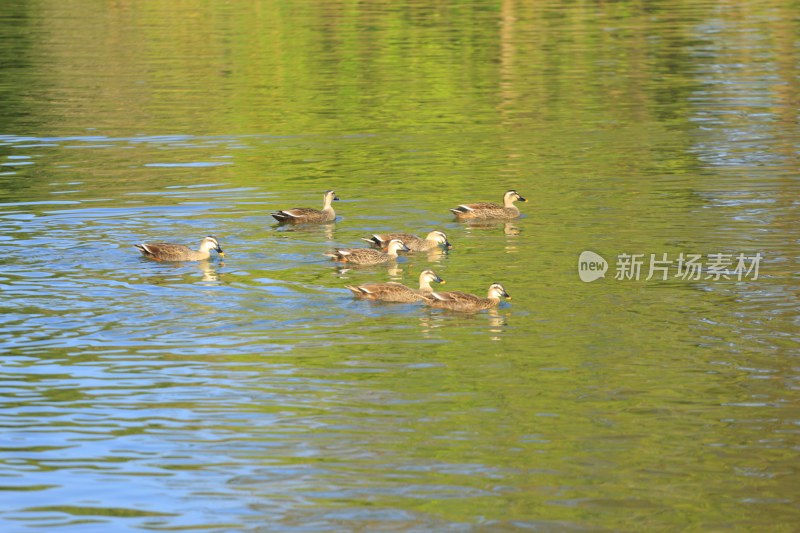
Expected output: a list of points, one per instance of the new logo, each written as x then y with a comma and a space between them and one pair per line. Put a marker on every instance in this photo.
591, 266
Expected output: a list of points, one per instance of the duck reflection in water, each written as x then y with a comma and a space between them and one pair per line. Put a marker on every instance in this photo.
435, 319
509, 228
393, 269
310, 229
210, 270
436, 255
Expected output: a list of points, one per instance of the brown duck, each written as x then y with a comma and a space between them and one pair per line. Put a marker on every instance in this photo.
307, 215
433, 240
396, 292
489, 210
368, 256
461, 301
165, 251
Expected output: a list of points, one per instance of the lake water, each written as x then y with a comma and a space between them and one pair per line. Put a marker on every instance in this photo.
255, 394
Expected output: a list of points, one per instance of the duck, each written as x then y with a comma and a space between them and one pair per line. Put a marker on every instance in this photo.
489, 210
166, 251
307, 215
433, 240
368, 256
461, 301
396, 292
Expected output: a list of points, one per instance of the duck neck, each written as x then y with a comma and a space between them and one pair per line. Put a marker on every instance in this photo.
392, 250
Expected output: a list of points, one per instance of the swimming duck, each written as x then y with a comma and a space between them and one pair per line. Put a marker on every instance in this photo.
307, 215
489, 210
396, 292
461, 301
414, 243
368, 256
165, 251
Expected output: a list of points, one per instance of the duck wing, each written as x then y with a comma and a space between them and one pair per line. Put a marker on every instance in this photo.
452, 297
164, 250
381, 240
297, 212
478, 206
389, 292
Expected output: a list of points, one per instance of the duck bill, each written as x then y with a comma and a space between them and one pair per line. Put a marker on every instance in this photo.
335, 198
521, 199
220, 252
448, 246
440, 280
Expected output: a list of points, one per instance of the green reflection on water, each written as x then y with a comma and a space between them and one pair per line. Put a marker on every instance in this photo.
631, 127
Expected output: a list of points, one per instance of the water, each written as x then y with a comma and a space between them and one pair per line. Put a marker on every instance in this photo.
255, 394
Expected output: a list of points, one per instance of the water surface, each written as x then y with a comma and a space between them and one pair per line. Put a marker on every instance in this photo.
254, 393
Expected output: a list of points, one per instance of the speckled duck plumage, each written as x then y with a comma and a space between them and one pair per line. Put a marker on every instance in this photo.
489, 210
307, 215
166, 251
461, 301
433, 240
396, 292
